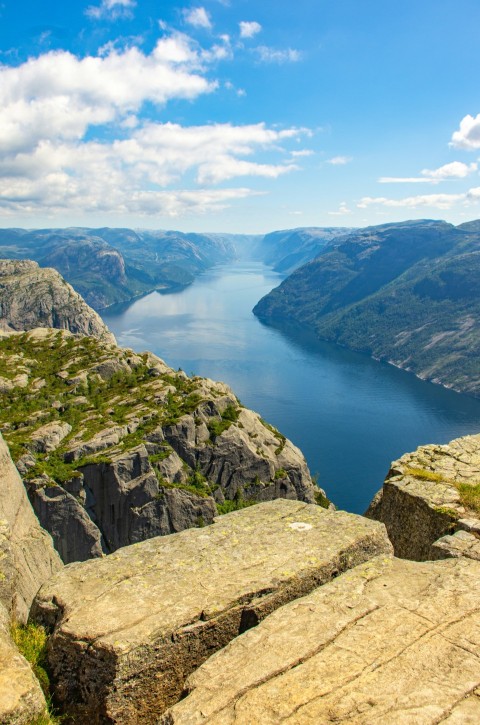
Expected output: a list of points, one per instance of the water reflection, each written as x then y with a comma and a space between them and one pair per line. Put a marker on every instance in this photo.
349, 414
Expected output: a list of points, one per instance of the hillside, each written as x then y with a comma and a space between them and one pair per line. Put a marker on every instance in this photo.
108, 266
405, 293
34, 297
116, 447
288, 249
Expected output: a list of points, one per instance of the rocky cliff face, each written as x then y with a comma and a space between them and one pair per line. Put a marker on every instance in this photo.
32, 297
430, 501
116, 447
27, 556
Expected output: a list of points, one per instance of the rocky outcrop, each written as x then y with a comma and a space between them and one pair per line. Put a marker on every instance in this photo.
388, 642
21, 697
428, 494
116, 447
129, 628
33, 297
27, 557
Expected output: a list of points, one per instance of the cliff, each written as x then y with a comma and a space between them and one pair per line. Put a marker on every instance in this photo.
405, 293
32, 297
430, 501
116, 447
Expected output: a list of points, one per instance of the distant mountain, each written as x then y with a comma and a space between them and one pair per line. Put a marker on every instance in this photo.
406, 293
290, 248
115, 265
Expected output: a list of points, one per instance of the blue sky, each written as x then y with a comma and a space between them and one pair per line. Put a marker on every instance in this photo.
239, 116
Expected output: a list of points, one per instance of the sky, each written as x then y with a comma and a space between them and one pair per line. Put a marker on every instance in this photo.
238, 116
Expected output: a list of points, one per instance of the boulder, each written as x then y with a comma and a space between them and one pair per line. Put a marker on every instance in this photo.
28, 557
129, 628
391, 641
425, 496
21, 697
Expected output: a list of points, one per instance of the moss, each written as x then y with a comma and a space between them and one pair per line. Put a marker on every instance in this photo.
281, 473
470, 495
321, 500
423, 474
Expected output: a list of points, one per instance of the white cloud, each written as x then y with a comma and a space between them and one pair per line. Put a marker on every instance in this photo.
272, 55
198, 17
48, 163
434, 201
302, 152
249, 29
453, 170
342, 210
59, 95
339, 160
111, 9
468, 135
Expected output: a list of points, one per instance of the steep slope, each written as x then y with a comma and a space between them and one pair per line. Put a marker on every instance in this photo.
115, 265
33, 297
290, 248
116, 447
405, 293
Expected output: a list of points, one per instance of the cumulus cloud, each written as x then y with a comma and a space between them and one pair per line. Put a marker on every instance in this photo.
453, 170
111, 9
198, 17
249, 29
273, 55
436, 201
468, 135
52, 106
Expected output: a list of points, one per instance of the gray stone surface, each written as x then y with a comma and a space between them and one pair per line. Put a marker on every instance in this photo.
391, 642
27, 556
460, 544
74, 534
35, 297
21, 697
420, 501
129, 628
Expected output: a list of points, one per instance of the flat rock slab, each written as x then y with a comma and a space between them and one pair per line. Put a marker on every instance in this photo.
392, 642
420, 500
21, 698
129, 628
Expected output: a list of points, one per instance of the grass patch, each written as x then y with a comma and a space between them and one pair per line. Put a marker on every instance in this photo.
469, 495
228, 506
229, 416
424, 475
469, 492
321, 500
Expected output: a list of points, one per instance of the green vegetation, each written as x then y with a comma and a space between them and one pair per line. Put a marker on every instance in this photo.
321, 500
407, 293
31, 640
469, 492
229, 416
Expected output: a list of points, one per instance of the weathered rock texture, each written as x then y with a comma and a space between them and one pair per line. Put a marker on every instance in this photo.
429, 493
129, 628
31, 296
116, 447
27, 557
21, 697
392, 642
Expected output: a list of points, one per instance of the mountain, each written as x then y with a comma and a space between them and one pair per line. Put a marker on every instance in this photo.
116, 447
33, 297
290, 248
115, 265
405, 293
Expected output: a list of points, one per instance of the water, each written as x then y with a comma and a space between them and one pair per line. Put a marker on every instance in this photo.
351, 416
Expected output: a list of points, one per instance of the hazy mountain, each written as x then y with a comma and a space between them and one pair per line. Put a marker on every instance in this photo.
288, 249
114, 265
407, 293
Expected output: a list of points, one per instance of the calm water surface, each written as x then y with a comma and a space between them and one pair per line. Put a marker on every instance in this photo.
350, 415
